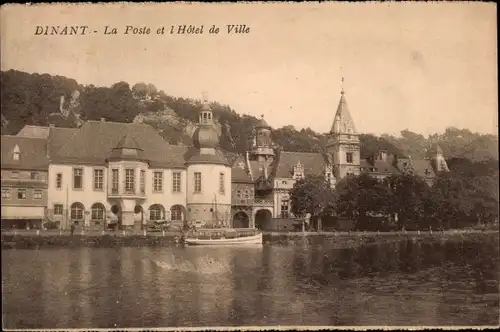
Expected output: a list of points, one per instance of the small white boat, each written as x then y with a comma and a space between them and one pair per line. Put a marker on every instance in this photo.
254, 239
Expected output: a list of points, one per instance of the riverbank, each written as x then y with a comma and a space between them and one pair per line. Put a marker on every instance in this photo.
47, 239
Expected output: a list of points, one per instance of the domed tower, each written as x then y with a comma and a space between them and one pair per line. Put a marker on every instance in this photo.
262, 149
208, 175
343, 141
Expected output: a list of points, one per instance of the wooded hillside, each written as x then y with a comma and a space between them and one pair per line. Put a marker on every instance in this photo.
40, 99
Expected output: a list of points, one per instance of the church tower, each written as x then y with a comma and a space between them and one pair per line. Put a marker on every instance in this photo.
343, 142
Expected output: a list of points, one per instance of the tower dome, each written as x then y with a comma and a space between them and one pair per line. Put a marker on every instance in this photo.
205, 136
262, 123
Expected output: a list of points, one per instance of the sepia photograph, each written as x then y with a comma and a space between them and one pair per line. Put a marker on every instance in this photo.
249, 166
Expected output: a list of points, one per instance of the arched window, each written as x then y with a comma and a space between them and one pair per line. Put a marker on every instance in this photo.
98, 211
156, 212
77, 211
176, 213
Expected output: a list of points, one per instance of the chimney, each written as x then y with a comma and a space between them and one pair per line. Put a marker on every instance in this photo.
103, 119
247, 159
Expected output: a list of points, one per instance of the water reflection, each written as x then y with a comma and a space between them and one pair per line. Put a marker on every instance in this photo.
454, 282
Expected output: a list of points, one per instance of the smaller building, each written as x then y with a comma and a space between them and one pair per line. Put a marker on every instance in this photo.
24, 181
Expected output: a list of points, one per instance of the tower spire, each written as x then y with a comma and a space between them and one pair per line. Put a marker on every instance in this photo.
342, 86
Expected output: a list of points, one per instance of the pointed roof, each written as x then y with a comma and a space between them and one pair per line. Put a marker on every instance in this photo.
128, 142
127, 148
343, 123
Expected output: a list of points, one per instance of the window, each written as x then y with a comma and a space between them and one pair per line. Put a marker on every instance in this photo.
78, 178
284, 209
34, 175
16, 155
142, 181
130, 180
58, 209
21, 194
158, 182
98, 179
197, 182
37, 194
6, 193
155, 212
59, 180
176, 182
175, 213
349, 157
77, 211
222, 184
97, 212
114, 181
238, 194
15, 175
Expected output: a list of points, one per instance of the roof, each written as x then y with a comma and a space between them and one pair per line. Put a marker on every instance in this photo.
58, 137
33, 153
127, 149
217, 158
381, 166
240, 175
94, 141
419, 167
342, 122
313, 163
34, 132
423, 168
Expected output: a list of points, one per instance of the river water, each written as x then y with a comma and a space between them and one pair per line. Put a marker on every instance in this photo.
452, 282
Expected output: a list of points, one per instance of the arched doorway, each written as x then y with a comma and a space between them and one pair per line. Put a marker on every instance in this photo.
77, 213
177, 215
97, 214
263, 219
241, 220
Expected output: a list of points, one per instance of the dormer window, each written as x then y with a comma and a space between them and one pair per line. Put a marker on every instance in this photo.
16, 155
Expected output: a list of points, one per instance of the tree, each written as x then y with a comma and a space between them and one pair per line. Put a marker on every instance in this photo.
409, 196
363, 199
312, 195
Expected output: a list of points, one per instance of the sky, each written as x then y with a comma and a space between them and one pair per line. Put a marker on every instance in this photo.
417, 66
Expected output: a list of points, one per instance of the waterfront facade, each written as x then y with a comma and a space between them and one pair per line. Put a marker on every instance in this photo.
106, 174
274, 171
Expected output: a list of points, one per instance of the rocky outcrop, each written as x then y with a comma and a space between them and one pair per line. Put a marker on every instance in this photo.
172, 127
